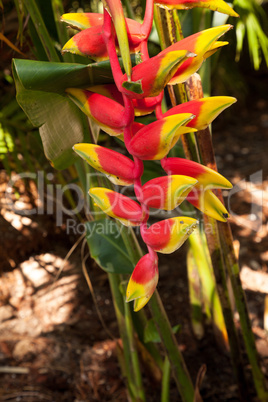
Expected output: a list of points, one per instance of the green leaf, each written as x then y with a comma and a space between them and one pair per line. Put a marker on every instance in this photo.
56, 77
152, 169
40, 93
151, 333
107, 247
133, 86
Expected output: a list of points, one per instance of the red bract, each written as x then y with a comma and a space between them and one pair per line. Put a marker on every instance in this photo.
141, 106
154, 74
208, 203
154, 141
216, 5
167, 192
168, 235
118, 168
90, 43
205, 110
118, 206
108, 114
143, 281
207, 178
203, 44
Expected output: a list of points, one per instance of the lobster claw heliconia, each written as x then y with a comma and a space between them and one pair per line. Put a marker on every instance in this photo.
83, 21
168, 235
117, 206
208, 203
143, 281
141, 106
214, 5
207, 178
154, 141
204, 109
203, 44
167, 192
201, 196
118, 168
107, 113
154, 73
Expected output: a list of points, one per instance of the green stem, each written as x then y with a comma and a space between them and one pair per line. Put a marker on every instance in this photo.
139, 318
178, 366
198, 246
118, 302
133, 352
196, 295
41, 29
58, 10
165, 381
160, 318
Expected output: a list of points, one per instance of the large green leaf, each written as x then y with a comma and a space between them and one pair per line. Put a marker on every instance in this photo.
40, 92
107, 247
56, 77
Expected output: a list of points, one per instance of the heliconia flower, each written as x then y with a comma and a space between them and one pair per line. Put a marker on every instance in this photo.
208, 203
154, 73
118, 168
204, 109
200, 44
168, 235
83, 21
115, 9
108, 114
89, 42
141, 106
143, 281
108, 90
118, 206
207, 178
145, 106
214, 5
167, 192
154, 141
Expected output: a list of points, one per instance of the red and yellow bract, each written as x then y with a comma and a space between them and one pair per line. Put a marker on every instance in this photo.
154, 141
215, 5
107, 113
204, 109
167, 192
168, 235
118, 168
117, 206
143, 281
207, 178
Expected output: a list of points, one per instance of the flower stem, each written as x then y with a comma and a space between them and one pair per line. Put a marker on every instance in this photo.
179, 369
178, 366
132, 371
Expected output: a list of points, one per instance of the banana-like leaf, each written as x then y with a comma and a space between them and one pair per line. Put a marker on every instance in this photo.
56, 77
107, 247
41, 94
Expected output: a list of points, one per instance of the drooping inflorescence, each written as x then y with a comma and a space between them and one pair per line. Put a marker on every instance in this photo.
136, 93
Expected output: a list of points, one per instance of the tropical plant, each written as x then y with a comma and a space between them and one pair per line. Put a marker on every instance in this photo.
59, 96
